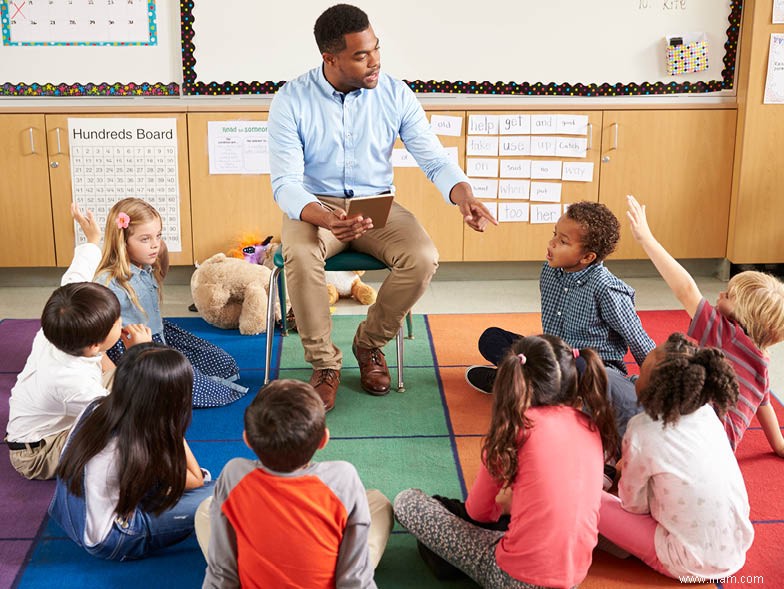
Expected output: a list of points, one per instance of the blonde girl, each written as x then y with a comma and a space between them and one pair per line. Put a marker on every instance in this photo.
133, 265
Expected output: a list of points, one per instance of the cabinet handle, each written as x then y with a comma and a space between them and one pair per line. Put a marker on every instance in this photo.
59, 144
615, 137
590, 136
32, 142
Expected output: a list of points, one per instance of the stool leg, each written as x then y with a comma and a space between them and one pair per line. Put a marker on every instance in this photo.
270, 323
410, 326
399, 344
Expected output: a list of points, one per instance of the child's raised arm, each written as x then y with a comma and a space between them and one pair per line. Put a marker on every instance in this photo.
677, 278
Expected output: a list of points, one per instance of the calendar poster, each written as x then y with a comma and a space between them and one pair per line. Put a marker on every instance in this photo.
114, 158
78, 22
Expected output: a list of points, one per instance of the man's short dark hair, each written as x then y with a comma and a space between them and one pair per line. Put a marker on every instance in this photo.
600, 227
285, 424
334, 23
79, 315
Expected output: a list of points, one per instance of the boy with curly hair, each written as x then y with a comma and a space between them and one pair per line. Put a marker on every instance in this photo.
583, 303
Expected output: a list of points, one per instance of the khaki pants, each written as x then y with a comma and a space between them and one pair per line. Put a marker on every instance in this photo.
381, 521
402, 244
41, 462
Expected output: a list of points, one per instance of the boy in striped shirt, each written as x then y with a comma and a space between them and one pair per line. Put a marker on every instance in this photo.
748, 319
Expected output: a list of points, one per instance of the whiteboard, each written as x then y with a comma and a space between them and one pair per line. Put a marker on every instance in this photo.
100, 70
242, 47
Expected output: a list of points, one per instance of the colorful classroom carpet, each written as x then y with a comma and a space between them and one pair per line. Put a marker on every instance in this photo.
427, 437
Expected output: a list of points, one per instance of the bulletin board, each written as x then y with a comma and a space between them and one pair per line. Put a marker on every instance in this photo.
141, 59
527, 47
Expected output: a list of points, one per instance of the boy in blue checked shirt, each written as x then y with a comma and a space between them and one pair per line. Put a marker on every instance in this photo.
583, 303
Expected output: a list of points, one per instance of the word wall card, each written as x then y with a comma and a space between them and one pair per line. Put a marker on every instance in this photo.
495, 145
78, 22
112, 159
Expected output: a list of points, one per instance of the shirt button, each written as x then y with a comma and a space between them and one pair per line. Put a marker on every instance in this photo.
558, 313
566, 289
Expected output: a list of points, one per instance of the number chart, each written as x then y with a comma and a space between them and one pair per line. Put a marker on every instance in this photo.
112, 159
78, 22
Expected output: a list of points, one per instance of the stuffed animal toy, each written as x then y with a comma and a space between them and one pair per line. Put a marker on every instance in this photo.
230, 293
252, 249
347, 283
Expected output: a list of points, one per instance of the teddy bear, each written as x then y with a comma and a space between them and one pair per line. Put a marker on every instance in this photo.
348, 283
231, 293
340, 283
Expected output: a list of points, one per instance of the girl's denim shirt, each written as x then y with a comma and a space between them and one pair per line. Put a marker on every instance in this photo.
146, 287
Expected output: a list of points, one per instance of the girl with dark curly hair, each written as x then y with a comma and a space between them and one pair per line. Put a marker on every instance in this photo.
542, 461
682, 506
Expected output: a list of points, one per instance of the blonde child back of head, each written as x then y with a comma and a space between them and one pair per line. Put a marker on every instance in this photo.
758, 305
124, 216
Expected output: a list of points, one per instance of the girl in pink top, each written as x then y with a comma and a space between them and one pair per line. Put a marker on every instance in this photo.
542, 461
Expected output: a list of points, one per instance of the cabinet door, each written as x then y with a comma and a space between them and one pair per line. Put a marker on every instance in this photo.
26, 232
525, 241
226, 206
441, 220
62, 195
679, 164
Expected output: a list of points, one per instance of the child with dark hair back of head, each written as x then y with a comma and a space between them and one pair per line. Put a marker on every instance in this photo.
67, 366
747, 319
542, 462
583, 303
271, 515
682, 506
127, 483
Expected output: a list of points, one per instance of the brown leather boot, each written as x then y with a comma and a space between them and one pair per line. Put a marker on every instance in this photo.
374, 374
326, 381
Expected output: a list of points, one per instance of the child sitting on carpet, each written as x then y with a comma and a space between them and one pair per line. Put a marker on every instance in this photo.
583, 303
682, 506
127, 483
748, 319
282, 520
133, 266
547, 453
66, 368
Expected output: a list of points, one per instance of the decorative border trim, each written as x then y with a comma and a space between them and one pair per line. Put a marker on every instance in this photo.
91, 89
192, 87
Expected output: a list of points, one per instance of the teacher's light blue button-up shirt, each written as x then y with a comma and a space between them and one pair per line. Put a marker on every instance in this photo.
327, 143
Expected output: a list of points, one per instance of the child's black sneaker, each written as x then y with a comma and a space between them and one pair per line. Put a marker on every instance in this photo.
481, 378
610, 472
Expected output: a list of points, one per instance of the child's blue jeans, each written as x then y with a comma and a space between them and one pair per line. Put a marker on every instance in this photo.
131, 538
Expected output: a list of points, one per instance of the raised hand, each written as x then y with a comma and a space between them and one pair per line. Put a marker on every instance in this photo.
638, 222
88, 224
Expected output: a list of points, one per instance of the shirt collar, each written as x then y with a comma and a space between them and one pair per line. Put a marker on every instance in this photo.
329, 89
135, 270
67, 358
581, 276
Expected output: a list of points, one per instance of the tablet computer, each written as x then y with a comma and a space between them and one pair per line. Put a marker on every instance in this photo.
375, 207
